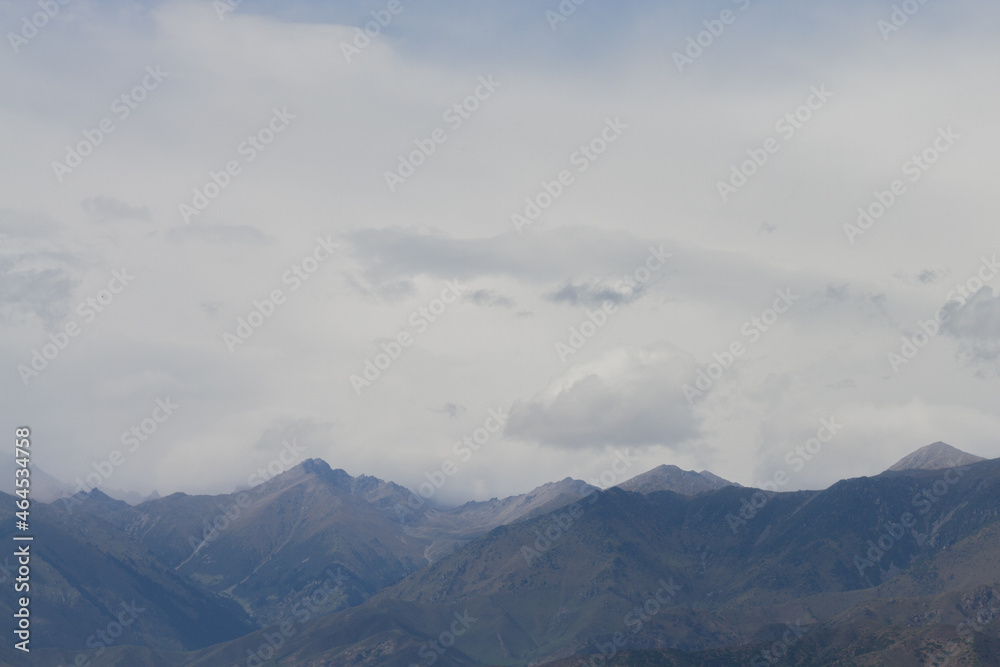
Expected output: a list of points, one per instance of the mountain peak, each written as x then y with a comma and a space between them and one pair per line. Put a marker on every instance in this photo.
668, 477
936, 456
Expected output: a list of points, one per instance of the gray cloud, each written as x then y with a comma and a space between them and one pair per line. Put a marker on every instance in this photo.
976, 326
24, 224
627, 397
453, 410
489, 298
109, 209
214, 233
590, 294
45, 292
578, 252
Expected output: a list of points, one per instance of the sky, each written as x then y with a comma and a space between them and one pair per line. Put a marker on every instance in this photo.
511, 241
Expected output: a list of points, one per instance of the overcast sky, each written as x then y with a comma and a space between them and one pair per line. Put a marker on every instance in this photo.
313, 121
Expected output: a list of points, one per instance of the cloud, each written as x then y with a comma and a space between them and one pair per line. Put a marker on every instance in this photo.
976, 326
626, 397
489, 298
215, 233
109, 209
389, 254
285, 428
453, 410
590, 294
26, 224
45, 292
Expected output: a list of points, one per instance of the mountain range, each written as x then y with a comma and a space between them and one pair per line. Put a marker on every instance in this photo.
316, 567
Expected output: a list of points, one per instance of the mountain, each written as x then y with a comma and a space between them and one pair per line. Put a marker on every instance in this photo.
872, 570
672, 478
86, 573
937, 456
863, 564
44, 487
268, 546
449, 529
130, 497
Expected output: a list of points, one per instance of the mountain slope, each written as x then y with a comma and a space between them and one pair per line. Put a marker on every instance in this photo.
562, 583
85, 572
672, 478
936, 456
449, 529
268, 546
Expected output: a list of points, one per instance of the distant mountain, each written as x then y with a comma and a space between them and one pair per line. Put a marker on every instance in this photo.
872, 570
267, 546
672, 478
565, 583
44, 487
86, 574
449, 529
937, 456
130, 497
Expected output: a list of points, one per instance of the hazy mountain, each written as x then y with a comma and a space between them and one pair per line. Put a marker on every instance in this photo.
873, 570
937, 456
130, 497
672, 478
44, 487
566, 582
448, 529
267, 546
85, 573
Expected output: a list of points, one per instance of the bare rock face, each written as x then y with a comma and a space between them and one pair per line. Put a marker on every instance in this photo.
672, 478
937, 456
